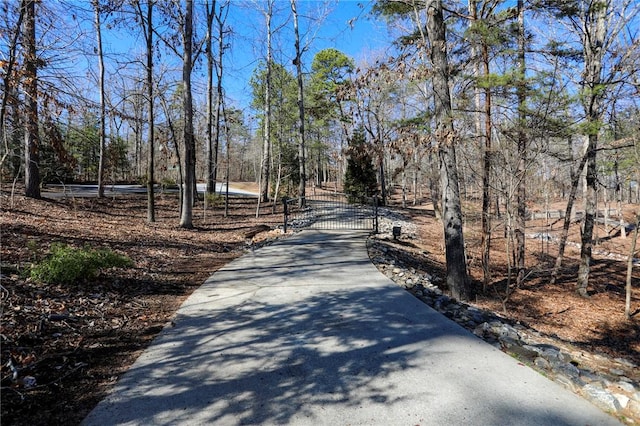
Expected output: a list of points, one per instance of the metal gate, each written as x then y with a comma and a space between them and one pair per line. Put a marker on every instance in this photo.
331, 211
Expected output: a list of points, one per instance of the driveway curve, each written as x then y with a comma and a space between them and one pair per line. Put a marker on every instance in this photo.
306, 331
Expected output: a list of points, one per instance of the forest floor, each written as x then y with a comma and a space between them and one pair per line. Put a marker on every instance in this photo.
596, 324
68, 344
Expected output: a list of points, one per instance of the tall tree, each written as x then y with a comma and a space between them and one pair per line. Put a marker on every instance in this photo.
301, 146
521, 192
148, 32
186, 217
97, 10
610, 57
266, 142
446, 138
9, 80
31, 138
594, 33
488, 36
212, 152
145, 18
284, 121
482, 31
214, 118
599, 24
330, 71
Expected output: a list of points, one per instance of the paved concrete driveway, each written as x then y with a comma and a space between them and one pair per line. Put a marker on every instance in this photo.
307, 332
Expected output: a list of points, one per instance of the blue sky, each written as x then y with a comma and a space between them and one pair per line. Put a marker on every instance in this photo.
345, 25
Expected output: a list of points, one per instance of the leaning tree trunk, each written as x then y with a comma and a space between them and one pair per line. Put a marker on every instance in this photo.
575, 180
457, 278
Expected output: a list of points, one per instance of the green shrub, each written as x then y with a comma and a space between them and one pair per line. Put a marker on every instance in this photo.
66, 265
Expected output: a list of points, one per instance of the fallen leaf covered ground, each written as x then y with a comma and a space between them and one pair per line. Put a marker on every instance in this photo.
63, 346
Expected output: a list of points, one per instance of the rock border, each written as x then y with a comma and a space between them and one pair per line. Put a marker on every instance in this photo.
613, 391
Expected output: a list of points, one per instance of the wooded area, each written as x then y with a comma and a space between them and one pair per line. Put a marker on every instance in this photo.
509, 105
516, 122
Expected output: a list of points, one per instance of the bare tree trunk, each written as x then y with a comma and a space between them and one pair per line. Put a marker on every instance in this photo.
7, 88
627, 305
434, 189
227, 134
174, 137
151, 204
146, 22
404, 185
214, 146
589, 218
102, 130
480, 53
211, 163
457, 278
137, 129
266, 145
618, 193
301, 147
31, 137
415, 177
186, 218
486, 176
575, 181
593, 44
521, 192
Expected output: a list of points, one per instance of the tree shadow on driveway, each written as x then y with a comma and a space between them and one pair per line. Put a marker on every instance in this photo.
313, 334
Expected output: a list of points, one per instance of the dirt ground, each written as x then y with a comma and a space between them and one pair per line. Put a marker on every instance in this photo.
63, 346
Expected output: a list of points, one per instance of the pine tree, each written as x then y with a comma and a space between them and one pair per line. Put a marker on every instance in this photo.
360, 176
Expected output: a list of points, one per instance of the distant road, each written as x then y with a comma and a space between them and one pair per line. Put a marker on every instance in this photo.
79, 190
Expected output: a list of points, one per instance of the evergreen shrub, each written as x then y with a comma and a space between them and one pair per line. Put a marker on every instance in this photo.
67, 265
